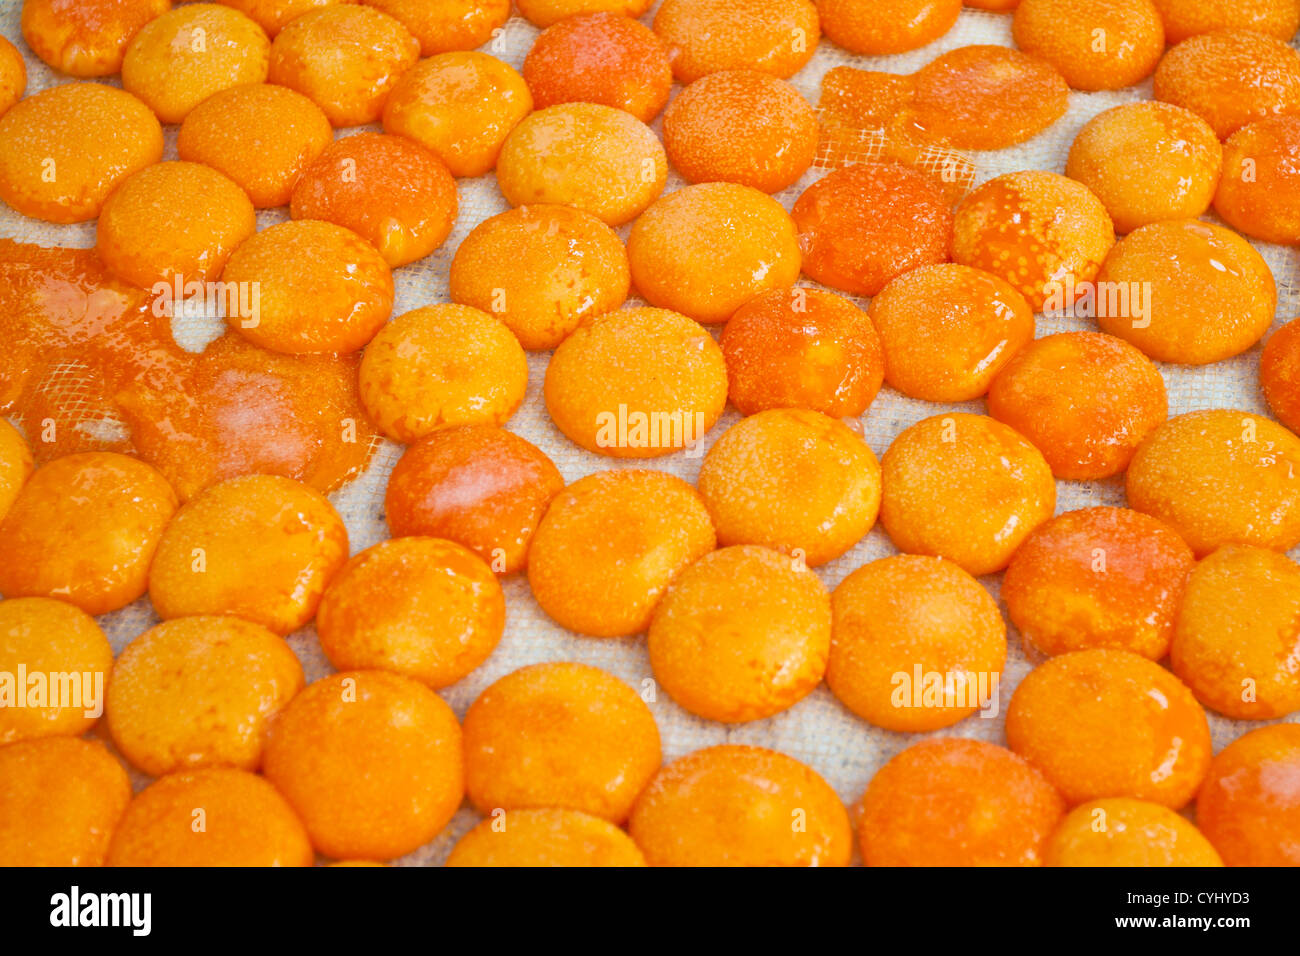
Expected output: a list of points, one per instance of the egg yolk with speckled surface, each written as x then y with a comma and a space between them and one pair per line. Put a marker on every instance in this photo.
966, 488
1086, 399
983, 97
173, 219
731, 805
439, 366
741, 126
245, 822
273, 15
87, 38
1124, 832
1042, 233
708, 249
1147, 162
391, 191
802, 348
13, 75
864, 225
320, 288
44, 636
443, 26
906, 614
1249, 805
477, 485
186, 55
259, 547
609, 546
600, 58
886, 26
15, 465
460, 106
261, 136
598, 158
708, 36
948, 801
741, 635
84, 529
1221, 477
1230, 78
1206, 293
543, 13
947, 330
199, 692
1185, 18
64, 149
1096, 44
371, 762
794, 480
536, 838
1279, 375
1259, 194
559, 735
424, 607
636, 383
1108, 723
60, 799
542, 270
345, 58
1098, 578
1239, 633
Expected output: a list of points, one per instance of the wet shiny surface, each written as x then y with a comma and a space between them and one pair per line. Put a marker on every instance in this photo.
345, 58
802, 348
259, 547
1086, 400
542, 270
600, 58
87, 38
1238, 638
84, 529
1209, 294
478, 485
964, 487
186, 55
1231, 78
597, 158
1098, 578
1221, 477
1259, 194
1040, 232
62, 150
1065, 33
731, 805
948, 330
706, 250
460, 106
1250, 804
1147, 162
1106, 723
441, 366
743, 633
261, 136
707, 36
741, 127
947, 801
390, 191
864, 225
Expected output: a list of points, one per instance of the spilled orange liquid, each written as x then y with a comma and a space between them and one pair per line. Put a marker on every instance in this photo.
87, 365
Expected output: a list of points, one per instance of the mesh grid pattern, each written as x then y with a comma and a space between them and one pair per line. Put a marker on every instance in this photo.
818, 730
